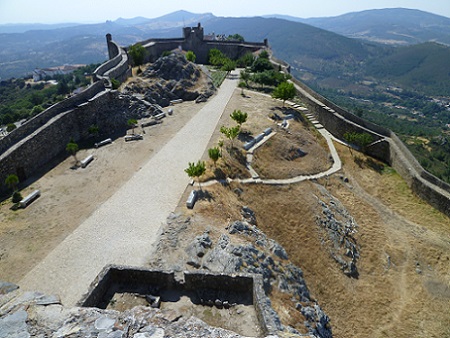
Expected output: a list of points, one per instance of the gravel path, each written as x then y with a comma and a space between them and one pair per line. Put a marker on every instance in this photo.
125, 228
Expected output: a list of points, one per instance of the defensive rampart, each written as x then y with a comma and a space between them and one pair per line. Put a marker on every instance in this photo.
36, 142
194, 40
387, 147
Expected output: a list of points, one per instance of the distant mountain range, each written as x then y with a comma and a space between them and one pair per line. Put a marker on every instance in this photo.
317, 55
396, 26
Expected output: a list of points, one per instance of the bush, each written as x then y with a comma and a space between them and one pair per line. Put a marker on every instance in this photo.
16, 197
115, 83
10, 127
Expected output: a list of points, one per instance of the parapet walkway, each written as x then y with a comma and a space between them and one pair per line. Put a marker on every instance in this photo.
124, 229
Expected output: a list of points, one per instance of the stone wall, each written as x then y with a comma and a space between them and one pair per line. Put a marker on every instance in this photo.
41, 119
27, 149
387, 148
193, 39
131, 279
118, 66
31, 154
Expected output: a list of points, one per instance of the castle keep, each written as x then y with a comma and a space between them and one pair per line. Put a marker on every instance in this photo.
195, 40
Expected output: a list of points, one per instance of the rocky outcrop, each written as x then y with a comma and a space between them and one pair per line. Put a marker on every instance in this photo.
172, 78
338, 229
36, 315
246, 249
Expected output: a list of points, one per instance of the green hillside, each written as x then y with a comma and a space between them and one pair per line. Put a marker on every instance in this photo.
424, 67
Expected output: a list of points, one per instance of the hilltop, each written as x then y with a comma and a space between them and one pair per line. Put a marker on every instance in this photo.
402, 243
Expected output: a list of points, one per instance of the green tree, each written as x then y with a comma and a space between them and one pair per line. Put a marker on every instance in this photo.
361, 140
220, 144
132, 123
236, 37
137, 53
245, 76
196, 170
115, 83
72, 149
93, 130
10, 127
284, 91
190, 56
215, 57
242, 86
36, 110
214, 154
264, 54
228, 65
230, 133
246, 60
11, 181
239, 117
261, 64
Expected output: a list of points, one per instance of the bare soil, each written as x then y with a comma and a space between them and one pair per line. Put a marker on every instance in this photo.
403, 289
69, 196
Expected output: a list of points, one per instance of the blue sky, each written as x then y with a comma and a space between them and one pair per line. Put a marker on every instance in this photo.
88, 11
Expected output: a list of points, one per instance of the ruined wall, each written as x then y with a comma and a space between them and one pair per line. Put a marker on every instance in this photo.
138, 280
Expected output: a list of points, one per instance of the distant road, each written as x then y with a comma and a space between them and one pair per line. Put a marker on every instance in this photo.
124, 229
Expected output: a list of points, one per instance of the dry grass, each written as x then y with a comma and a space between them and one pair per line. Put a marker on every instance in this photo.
295, 152
403, 286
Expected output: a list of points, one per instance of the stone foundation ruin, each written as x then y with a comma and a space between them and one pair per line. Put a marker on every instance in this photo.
235, 298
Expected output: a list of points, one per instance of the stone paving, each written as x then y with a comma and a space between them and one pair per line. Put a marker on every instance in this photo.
124, 229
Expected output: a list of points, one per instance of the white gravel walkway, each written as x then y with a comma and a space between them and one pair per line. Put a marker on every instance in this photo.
124, 229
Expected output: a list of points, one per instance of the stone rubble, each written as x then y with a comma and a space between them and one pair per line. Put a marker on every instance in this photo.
21, 316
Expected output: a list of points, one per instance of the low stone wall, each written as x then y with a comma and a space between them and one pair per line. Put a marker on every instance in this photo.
114, 276
130, 279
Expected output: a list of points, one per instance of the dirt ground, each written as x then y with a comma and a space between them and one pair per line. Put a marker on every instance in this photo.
403, 289
69, 196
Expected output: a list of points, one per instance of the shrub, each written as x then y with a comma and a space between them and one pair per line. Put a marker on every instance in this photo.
115, 83
16, 197
10, 127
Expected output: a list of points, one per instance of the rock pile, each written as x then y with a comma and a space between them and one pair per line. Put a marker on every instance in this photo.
172, 78
339, 227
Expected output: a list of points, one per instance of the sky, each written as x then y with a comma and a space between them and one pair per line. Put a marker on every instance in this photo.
94, 11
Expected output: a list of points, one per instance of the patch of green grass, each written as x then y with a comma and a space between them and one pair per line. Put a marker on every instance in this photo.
218, 76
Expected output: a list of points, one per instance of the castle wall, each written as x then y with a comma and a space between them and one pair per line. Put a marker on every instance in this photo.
193, 39
390, 149
27, 149
117, 67
41, 119
32, 153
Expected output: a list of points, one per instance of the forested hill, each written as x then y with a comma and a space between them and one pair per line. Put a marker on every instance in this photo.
395, 26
